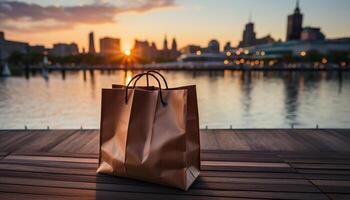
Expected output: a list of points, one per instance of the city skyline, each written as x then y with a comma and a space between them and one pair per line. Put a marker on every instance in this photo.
151, 20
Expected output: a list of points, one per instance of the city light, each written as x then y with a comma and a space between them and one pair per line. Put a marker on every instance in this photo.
303, 53
324, 61
127, 52
263, 53
226, 62
246, 51
198, 53
228, 53
238, 53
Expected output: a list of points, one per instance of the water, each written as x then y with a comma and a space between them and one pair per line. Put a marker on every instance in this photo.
226, 98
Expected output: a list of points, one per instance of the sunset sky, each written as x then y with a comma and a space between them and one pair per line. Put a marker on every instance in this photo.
190, 21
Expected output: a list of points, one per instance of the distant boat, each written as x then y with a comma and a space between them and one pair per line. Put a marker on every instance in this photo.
6, 70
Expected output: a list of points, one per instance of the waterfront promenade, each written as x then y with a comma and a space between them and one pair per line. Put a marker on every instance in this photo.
236, 164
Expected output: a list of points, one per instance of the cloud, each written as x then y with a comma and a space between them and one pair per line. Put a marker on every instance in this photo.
28, 17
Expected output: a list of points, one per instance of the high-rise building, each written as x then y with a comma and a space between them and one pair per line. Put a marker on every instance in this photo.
165, 43
250, 39
249, 36
174, 45
109, 46
142, 49
174, 53
295, 24
91, 43
8, 47
62, 49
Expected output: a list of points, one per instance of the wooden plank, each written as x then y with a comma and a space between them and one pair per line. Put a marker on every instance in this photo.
244, 164
333, 186
58, 154
339, 196
16, 196
252, 174
76, 142
102, 194
52, 158
235, 156
57, 164
295, 140
284, 164
211, 183
320, 166
12, 140
323, 171
164, 190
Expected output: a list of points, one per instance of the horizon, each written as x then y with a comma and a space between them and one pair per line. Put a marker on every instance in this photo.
152, 20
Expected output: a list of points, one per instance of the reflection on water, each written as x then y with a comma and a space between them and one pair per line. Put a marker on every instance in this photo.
226, 98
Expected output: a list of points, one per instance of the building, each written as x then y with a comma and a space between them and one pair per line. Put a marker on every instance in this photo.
227, 46
264, 40
37, 49
295, 24
312, 33
91, 43
190, 49
174, 53
249, 36
62, 49
174, 45
296, 47
169, 53
110, 46
8, 47
149, 52
143, 50
165, 44
213, 47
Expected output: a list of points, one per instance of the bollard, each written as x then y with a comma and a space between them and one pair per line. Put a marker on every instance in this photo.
230, 126
316, 126
81, 127
25, 127
292, 126
206, 127
48, 127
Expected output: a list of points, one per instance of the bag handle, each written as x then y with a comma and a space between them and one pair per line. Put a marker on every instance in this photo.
136, 78
155, 72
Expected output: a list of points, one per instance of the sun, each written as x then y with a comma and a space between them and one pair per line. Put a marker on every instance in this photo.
127, 52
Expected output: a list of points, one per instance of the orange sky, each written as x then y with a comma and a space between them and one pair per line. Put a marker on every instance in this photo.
189, 21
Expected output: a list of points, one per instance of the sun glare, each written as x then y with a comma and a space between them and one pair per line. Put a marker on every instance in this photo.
127, 52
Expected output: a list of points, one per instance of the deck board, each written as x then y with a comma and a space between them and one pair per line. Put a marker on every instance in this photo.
236, 164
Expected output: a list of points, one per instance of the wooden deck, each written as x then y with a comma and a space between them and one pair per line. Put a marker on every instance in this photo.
236, 164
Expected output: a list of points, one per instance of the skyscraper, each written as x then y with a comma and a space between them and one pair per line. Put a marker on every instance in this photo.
249, 35
91, 43
174, 45
165, 44
109, 46
295, 24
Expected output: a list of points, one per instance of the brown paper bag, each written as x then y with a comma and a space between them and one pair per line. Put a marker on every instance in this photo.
150, 134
